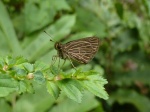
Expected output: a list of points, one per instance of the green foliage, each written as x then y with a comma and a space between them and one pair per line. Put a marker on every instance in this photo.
53, 89
17, 78
130, 96
123, 58
7, 85
67, 105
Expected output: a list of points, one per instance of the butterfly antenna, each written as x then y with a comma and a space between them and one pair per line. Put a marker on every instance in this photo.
50, 36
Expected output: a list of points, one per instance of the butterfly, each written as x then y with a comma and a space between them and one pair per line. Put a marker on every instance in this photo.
81, 50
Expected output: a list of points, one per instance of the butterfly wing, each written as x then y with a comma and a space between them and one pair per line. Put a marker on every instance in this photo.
82, 50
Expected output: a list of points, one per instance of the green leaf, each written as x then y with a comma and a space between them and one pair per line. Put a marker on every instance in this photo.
95, 84
21, 73
88, 104
40, 101
41, 9
38, 65
55, 71
63, 25
3, 45
29, 87
53, 89
10, 34
97, 78
60, 5
22, 87
119, 9
4, 106
79, 74
38, 77
29, 67
25, 86
99, 69
92, 23
7, 85
132, 19
78, 35
10, 61
71, 88
20, 59
125, 40
91, 72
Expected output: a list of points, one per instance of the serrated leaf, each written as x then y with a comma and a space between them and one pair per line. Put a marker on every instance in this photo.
10, 61
29, 67
22, 87
53, 89
20, 60
38, 77
96, 86
21, 73
71, 88
97, 78
55, 71
7, 85
40, 66
25, 86
29, 87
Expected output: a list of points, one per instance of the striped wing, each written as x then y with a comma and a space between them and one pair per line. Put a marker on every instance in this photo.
82, 50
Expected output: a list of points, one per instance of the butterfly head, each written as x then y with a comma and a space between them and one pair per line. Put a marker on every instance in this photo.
58, 45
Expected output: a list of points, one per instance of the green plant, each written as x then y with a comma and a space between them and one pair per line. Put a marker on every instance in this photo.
17, 75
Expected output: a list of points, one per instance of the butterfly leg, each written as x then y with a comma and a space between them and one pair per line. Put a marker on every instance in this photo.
72, 63
54, 58
63, 63
59, 62
59, 67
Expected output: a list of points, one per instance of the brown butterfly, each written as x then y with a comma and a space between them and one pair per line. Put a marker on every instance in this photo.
81, 50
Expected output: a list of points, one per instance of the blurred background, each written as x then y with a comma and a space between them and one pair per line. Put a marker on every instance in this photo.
123, 27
